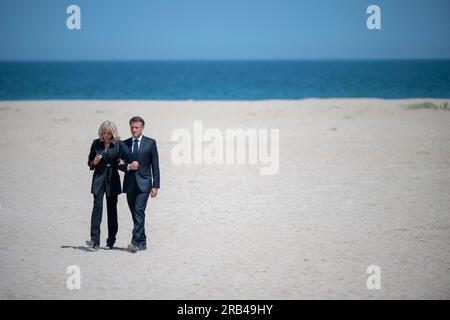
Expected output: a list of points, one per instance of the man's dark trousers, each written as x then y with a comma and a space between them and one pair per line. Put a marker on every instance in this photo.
137, 202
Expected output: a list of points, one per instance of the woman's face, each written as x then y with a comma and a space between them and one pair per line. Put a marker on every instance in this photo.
107, 135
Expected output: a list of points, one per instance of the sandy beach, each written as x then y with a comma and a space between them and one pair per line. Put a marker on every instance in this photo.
361, 182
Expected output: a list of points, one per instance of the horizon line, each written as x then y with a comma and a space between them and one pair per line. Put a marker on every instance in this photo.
224, 60
426, 99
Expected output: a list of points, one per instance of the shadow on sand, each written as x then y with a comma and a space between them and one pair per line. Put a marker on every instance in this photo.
89, 249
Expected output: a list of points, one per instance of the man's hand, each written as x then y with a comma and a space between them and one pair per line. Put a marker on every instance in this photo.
154, 192
97, 159
133, 166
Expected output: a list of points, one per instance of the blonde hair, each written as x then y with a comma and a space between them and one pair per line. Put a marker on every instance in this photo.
111, 127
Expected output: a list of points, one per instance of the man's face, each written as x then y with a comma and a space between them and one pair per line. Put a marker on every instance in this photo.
136, 129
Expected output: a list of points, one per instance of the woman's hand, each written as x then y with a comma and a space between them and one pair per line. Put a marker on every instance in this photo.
133, 166
97, 159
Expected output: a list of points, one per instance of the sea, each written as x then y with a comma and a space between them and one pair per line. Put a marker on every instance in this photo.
224, 80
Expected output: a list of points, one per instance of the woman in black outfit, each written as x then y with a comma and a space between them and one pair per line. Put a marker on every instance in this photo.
104, 157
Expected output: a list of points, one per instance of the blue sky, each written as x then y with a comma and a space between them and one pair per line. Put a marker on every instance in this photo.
224, 29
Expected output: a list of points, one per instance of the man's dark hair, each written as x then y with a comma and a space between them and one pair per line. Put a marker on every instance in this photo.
137, 119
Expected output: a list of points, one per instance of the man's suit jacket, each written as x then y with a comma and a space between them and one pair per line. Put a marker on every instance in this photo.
105, 172
148, 166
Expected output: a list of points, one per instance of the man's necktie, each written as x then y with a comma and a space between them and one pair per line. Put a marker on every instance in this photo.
135, 149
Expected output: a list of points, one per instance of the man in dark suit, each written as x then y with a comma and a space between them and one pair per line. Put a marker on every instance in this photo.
141, 169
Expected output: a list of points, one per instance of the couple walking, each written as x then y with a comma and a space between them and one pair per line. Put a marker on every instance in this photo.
138, 158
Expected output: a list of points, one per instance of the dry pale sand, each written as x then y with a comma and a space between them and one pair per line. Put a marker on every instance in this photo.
361, 182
